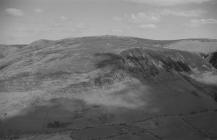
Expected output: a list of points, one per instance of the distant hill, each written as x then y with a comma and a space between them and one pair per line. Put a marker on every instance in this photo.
109, 87
196, 45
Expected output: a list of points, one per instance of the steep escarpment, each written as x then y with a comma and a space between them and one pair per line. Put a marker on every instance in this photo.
213, 59
151, 62
160, 65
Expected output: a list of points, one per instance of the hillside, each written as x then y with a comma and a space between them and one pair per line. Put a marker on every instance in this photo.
108, 87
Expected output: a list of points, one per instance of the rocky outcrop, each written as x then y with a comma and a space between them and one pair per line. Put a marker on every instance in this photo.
213, 59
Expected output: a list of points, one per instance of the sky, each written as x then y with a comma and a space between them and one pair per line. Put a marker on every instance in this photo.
25, 21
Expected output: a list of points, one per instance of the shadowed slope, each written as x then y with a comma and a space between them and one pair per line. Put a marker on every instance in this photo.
213, 59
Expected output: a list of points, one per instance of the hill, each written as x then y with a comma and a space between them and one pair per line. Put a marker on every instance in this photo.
195, 45
107, 87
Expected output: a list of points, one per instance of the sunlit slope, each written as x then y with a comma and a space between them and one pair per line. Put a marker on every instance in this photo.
107, 88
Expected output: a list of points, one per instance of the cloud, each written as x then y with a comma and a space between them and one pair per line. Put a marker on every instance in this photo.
116, 18
182, 13
142, 20
148, 19
117, 31
14, 12
199, 22
207, 77
168, 2
129, 94
144, 17
145, 26
38, 10
156, 15
64, 18
81, 25
122, 94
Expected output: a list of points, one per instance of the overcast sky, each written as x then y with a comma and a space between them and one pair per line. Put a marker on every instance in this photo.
24, 21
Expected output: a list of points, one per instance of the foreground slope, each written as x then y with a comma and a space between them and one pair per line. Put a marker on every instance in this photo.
106, 88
